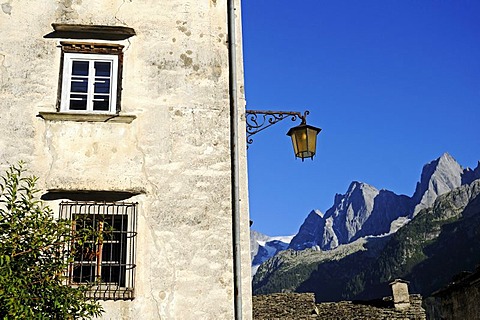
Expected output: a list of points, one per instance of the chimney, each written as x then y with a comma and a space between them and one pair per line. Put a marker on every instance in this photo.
401, 297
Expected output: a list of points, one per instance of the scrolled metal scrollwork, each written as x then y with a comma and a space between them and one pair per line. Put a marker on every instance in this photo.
259, 120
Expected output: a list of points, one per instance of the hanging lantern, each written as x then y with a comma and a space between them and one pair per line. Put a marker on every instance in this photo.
304, 139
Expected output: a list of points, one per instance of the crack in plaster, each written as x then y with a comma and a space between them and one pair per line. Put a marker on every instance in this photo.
144, 168
118, 10
3, 70
128, 46
122, 21
157, 304
163, 308
48, 138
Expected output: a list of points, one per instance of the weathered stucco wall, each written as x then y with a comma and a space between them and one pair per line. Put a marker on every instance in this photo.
176, 153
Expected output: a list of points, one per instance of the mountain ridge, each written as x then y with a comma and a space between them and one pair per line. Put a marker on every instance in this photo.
365, 211
439, 242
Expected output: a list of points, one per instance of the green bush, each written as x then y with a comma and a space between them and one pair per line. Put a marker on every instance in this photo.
34, 256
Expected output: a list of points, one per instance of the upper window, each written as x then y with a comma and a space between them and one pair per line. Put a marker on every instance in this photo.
91, 72
91, 76
89, 83
105, 261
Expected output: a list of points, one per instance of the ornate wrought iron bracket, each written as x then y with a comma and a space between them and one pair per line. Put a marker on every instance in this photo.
259, 120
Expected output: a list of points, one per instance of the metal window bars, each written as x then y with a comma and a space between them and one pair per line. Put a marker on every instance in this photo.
106, 260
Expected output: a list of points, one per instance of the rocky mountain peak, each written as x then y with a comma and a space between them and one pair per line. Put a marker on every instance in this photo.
349, 213
318, 212
355, 190
359, 197
438, 177
310, 233
439, 242
357, 186
470, 175
365, 211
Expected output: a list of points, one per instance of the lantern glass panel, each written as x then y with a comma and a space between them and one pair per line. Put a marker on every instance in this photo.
304, 140
312, 140
294, 142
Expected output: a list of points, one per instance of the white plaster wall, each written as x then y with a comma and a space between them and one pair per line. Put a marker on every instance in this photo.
175, 153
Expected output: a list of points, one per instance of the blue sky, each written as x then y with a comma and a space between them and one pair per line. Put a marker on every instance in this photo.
393, 84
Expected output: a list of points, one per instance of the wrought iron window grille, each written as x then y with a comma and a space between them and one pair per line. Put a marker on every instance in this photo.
104, 261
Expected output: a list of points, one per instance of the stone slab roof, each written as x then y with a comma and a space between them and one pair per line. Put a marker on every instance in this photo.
290, 306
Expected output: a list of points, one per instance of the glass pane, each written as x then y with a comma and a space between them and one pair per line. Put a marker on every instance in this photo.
102, 69
80, 68
83, 273
102, 85
101, 103
120, 223
312, 140
294, 143
87, 252
301, 136
78, 102
113, 274
111, 252
79, 84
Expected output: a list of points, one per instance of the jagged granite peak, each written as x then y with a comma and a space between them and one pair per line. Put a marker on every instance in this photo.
310, 233
341, 222
470, 175
329, 237
387, 209
439, 242
366, 211
430, 247
438, 177
351, 211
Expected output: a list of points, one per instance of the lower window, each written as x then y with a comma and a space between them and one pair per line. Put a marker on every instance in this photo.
106, 261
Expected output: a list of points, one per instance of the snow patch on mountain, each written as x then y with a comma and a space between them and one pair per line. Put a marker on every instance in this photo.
263, 247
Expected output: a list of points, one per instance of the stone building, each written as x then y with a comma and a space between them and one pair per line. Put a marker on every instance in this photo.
302, 306
460, 299
297, 306
125, 110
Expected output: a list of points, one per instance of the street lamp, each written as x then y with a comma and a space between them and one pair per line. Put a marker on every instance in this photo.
304, 136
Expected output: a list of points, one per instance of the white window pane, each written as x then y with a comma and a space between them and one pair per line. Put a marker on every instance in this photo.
90, 83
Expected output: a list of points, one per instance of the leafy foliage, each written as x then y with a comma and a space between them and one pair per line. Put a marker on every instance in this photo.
34, 256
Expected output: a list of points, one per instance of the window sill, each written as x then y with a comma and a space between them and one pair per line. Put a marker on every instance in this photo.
86, 117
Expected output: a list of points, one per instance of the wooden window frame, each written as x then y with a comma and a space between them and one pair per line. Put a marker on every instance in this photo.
91, 52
